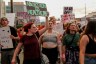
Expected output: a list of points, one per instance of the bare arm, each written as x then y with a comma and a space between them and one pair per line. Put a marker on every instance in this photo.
40, 39
59, 44
63, 45
15, 38
63, 52
45, 28
60, 48
16, 52
63, 49
83, 42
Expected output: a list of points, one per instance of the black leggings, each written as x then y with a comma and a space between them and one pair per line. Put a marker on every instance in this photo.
51, 53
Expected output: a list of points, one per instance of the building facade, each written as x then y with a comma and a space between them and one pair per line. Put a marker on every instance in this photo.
2, 8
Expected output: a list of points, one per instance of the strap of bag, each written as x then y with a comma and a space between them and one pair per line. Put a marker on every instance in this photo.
38, 40
42, 60
39, 44
71, 40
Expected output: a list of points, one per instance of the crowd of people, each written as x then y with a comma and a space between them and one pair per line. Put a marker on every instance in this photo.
75, 46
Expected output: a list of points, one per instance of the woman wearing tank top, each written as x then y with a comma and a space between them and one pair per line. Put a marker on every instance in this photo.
51, 44
88, 44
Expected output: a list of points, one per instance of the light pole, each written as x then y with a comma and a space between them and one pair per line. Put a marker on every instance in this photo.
0, 8
85, 14
11, 5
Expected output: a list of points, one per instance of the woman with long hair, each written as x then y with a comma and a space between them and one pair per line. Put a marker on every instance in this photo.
70, 44
88, 44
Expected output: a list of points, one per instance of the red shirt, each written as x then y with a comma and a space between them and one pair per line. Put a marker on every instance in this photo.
31, 46
19, 34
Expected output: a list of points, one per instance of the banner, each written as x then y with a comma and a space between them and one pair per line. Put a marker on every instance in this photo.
67, 10
67, 17
36, 9
5, 39
23, 15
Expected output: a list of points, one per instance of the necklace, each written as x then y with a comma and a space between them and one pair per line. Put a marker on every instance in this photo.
29, 34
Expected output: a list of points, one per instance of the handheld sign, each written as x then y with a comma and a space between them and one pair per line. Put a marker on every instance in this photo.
5, 39
36, 9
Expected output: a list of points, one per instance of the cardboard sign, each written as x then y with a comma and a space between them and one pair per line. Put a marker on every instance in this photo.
67, 17
5, 39
59, 28
36, 9
67, 10
11, 18
24, 15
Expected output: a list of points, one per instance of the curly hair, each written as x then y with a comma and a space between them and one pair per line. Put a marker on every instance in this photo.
68, 30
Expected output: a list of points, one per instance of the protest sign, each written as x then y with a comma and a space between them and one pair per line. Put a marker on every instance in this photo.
11, 18
23, 15
36, 9
67, 10
5, 39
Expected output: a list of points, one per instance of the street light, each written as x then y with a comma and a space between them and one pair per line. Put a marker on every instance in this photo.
11, 5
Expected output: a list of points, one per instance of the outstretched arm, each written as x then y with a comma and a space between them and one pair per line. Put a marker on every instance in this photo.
46, 26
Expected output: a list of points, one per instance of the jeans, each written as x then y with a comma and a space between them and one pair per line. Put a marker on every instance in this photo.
6, 56
90, 60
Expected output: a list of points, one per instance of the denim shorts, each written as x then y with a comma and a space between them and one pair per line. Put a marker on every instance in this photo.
90, 60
